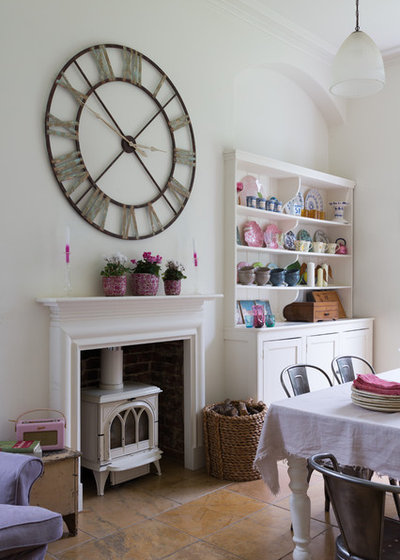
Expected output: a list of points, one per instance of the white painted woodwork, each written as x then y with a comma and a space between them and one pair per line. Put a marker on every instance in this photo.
300, 507
254, 358
277, 354
84, 323
283, 180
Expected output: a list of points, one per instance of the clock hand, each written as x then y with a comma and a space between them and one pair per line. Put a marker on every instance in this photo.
151, 148
138, 147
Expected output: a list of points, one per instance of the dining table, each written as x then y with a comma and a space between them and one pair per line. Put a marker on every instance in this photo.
325, 421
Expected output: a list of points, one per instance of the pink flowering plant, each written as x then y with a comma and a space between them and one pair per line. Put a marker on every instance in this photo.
116, 265
174, 271
149, 264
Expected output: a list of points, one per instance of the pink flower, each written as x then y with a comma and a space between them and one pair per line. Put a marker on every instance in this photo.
149, 264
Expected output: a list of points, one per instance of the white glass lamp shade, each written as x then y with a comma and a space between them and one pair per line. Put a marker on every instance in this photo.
358, 69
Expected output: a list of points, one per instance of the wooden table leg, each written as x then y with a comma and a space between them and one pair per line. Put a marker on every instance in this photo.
300, 507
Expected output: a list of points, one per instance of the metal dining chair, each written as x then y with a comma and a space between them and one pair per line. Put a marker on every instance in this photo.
343, 367
343, 370
297, 376
359, 506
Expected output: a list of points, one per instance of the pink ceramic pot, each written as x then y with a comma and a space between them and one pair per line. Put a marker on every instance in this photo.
114, 285
144, 284
172, 287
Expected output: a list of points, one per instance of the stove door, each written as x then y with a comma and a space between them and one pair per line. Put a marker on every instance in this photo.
130, 429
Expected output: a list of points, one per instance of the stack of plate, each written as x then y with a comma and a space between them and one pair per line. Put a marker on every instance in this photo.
374, 401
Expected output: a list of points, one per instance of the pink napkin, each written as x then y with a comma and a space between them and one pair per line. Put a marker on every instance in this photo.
374, 384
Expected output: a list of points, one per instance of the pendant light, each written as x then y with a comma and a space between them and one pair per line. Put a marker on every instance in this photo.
358, 69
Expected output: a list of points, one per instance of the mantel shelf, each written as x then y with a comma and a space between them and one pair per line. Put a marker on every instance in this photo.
99, 299
72, 308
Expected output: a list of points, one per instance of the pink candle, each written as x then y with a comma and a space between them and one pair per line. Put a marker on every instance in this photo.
194, 255
67, 246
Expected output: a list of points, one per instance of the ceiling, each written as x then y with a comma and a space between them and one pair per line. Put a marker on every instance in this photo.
329, 22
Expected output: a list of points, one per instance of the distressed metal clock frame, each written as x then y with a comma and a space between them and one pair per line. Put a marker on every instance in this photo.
186, 157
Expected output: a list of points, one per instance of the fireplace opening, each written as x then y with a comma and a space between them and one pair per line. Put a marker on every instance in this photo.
159, 364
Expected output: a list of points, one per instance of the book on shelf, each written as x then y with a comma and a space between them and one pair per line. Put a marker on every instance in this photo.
24, 446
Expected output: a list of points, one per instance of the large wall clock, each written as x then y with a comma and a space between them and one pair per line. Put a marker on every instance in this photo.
120, 141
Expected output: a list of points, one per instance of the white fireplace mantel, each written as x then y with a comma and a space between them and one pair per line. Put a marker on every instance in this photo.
83, 323
70, 308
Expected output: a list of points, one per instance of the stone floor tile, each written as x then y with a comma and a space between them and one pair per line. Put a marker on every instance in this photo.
211, 512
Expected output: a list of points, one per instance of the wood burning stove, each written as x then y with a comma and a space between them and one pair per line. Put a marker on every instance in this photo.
119, 425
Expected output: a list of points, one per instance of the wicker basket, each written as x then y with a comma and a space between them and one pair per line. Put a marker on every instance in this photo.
231, 442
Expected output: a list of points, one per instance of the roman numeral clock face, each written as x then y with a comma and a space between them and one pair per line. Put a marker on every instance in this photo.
120, 141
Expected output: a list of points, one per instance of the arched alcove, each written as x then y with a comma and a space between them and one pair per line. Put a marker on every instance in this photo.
281, 111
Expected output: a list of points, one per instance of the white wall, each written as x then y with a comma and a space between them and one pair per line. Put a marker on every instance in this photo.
366, 149
268, 119
242, 87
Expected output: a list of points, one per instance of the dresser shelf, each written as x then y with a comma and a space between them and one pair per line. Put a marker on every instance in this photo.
284, 181
254, 358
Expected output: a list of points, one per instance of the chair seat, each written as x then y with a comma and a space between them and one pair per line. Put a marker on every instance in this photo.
30, 526
390, 548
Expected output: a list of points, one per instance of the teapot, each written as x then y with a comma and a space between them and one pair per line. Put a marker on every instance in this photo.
342, 249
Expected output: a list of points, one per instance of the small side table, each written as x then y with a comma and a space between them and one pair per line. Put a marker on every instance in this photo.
57, 488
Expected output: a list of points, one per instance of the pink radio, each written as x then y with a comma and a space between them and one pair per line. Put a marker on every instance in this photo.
49, 431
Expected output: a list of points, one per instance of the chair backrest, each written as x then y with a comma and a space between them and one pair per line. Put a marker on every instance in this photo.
298, 377
359, 507
343, 367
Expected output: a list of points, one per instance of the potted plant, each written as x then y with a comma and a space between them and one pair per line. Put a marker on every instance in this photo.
146, 275
172, 277
114, 275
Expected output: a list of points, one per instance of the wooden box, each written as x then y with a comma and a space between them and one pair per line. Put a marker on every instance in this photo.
329, 295
57, 488
312, 311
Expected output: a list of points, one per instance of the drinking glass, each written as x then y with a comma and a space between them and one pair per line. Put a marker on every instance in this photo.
270, 320
258, 315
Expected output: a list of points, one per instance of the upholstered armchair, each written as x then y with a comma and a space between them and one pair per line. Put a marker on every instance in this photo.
25, 530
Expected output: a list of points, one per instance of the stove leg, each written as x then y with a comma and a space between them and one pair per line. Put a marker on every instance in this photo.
100, 478
157, 465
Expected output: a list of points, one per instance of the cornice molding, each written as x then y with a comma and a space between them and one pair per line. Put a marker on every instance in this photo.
268, 21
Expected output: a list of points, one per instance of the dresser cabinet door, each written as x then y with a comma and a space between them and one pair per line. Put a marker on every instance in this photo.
357, 342
277, 355
321, 349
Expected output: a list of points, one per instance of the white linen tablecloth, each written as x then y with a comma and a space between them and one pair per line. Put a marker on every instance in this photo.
327, 421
